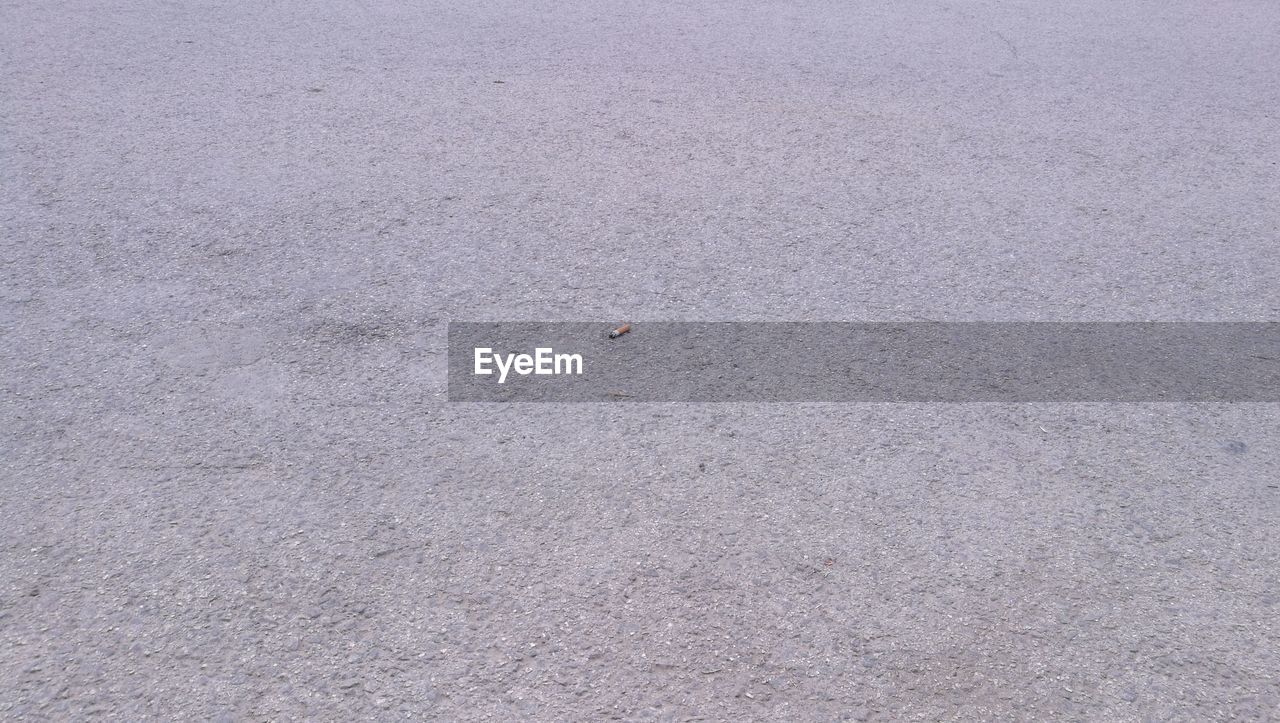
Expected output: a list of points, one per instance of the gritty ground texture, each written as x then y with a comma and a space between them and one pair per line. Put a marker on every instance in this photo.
233, 233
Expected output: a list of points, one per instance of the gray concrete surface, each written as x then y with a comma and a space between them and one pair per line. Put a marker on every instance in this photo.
233, 232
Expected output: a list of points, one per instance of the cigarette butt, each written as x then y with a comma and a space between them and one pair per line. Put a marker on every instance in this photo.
619, 331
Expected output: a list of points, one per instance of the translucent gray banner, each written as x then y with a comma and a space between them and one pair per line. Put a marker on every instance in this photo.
865, 362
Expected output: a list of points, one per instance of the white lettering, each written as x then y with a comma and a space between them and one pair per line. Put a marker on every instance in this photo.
544, 361
504, 368
542, 355
569, 360
481, 353
524, 364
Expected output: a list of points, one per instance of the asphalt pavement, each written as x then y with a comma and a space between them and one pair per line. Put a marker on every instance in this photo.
233, 235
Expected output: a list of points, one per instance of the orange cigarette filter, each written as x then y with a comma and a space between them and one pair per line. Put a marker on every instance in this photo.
619, 331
